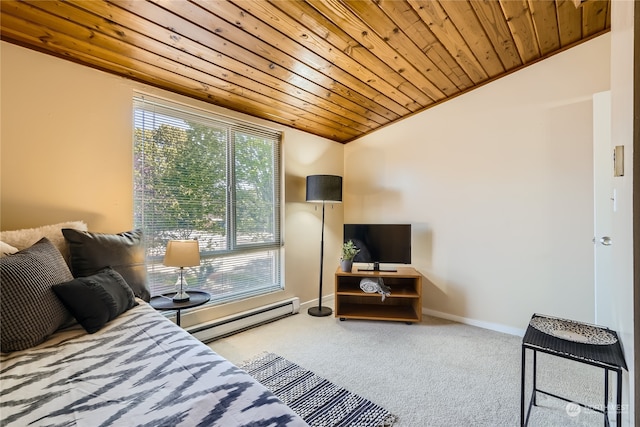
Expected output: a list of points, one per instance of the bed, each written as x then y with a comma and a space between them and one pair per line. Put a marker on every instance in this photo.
136, 369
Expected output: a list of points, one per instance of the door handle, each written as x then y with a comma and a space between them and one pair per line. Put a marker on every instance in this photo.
606, 241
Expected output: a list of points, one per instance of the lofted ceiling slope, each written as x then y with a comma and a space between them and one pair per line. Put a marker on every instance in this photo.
335, 68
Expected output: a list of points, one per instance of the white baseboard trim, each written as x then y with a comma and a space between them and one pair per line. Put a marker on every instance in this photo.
473, 322
329, 299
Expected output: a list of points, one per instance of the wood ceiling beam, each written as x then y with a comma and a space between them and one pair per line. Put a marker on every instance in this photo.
594, 17
184, 50
302, 23
521, 25
339, 69
497, 30
291, 55
466, 22
433, 82
404, 17
445, 31
570, 22
139, 48
344, 18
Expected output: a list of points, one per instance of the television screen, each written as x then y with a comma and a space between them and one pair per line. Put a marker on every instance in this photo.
380, 243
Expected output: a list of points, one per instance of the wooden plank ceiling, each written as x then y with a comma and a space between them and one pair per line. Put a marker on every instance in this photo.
335, 68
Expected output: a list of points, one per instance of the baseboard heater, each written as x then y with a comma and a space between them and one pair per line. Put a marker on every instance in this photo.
235, 323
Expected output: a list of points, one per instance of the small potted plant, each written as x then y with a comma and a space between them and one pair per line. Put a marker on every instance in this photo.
349, 251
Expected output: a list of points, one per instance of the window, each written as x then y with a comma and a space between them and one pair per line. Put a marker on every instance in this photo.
199, 176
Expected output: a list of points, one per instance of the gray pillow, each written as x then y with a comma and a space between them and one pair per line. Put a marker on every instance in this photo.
124, 252
29, 309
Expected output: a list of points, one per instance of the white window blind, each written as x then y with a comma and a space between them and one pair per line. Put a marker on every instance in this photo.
199, 176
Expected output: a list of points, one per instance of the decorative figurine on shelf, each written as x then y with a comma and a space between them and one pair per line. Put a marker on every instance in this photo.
349, 251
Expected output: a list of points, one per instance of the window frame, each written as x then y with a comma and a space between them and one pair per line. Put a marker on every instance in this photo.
235, 130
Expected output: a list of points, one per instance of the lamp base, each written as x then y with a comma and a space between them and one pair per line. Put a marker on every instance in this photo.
319, 311
181, 297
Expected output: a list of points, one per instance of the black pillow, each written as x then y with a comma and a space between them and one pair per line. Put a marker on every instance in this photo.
124, 252
97, 299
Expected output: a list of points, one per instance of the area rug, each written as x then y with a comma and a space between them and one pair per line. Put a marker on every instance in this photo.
318, 401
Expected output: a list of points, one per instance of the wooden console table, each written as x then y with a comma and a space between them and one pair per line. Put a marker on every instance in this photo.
404, 304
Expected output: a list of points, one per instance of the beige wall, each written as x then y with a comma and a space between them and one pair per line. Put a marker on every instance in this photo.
66, 144
496, 182
498, 186
66, 154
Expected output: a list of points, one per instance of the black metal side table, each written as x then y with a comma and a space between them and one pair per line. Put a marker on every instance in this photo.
166, 302
581, 342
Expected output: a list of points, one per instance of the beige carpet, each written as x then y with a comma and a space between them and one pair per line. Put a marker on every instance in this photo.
437, 373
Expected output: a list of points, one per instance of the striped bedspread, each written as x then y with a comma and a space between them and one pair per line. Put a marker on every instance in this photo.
139, 370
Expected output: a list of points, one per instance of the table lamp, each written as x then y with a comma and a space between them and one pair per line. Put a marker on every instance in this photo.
182, 253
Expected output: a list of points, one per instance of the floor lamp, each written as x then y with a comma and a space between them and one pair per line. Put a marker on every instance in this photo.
322, 189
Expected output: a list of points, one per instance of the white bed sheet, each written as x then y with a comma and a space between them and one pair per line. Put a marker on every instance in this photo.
139, 370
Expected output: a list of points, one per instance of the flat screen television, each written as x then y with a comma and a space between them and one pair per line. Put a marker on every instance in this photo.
380, 243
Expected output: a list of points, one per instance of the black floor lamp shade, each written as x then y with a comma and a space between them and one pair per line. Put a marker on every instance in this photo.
323, 188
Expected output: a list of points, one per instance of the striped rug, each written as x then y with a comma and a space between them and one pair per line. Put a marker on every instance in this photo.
318, 401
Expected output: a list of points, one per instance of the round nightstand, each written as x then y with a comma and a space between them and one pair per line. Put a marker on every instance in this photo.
166, 302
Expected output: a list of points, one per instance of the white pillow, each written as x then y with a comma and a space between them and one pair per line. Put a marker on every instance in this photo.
26, 237
6, 249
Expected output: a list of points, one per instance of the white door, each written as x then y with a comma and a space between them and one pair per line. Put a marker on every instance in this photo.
604, 205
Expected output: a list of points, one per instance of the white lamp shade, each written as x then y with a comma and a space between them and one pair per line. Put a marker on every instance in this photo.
182, 253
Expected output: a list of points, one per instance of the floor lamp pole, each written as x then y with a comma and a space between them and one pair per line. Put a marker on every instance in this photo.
320, 311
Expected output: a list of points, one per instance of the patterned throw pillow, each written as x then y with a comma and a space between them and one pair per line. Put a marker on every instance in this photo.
124, 252
29, 309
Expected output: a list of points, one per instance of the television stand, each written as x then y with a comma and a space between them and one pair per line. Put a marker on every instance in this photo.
403, 305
